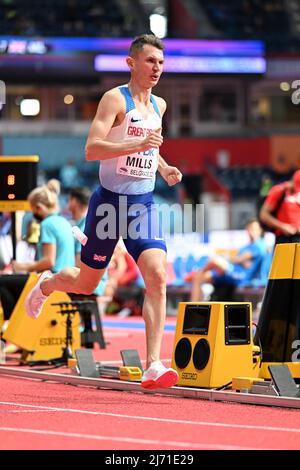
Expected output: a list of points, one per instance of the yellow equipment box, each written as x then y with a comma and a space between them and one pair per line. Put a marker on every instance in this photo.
213, 343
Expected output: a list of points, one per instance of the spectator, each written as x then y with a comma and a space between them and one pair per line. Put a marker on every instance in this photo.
281, 210
68, 175
242, 268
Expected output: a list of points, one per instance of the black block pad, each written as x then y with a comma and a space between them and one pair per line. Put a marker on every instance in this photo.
131, 358
283, 381
86, 363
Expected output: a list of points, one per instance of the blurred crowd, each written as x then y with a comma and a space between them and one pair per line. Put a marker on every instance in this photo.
65, 18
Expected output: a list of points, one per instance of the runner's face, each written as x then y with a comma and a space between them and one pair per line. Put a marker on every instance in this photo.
147, 66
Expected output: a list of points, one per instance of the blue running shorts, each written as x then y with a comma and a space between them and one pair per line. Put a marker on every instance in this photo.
110, 216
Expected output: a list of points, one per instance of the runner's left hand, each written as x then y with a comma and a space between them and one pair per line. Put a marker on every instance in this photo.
171, 175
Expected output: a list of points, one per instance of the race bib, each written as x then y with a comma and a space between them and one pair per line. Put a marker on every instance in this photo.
138, 165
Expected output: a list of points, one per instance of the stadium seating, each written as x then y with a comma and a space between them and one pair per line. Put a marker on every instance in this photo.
64, 17
242, 180
251, 19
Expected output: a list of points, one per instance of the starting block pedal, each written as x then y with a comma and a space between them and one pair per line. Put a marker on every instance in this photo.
87, 367
283, 381
131, 358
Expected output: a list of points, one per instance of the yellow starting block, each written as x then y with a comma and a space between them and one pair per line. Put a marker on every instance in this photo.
244, 383
43, 339
130, 373
87, 367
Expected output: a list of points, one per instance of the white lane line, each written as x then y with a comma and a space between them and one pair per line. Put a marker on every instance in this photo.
25, 411
129, 440
161, 420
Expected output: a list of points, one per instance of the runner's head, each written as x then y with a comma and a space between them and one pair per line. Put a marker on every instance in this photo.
145, 60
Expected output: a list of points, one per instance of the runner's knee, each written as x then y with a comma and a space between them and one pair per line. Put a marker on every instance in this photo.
155, 281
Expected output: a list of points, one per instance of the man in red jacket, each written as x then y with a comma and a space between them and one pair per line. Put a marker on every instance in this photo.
286, 220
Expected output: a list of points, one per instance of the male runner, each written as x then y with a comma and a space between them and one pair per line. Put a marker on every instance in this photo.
126, 136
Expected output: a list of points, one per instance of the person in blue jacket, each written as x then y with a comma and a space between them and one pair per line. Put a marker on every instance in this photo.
241, 269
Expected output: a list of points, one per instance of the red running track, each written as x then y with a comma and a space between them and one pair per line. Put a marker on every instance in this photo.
39, 415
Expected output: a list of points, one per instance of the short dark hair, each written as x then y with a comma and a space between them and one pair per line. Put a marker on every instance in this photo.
81, 194
140, 41
251, 221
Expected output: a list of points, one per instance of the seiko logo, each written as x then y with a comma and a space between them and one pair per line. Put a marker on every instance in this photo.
189, 376
52, 341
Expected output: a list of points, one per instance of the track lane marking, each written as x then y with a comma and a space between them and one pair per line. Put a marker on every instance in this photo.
129, 440
161, 420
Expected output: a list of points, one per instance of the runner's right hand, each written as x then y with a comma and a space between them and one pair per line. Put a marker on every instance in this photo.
153, 141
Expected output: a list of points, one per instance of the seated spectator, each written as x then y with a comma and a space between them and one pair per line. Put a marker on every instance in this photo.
55, 248
239, 270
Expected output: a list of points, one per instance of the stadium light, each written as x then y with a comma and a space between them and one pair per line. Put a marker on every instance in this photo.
30, 107
158, 25
68, 99
285, 86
